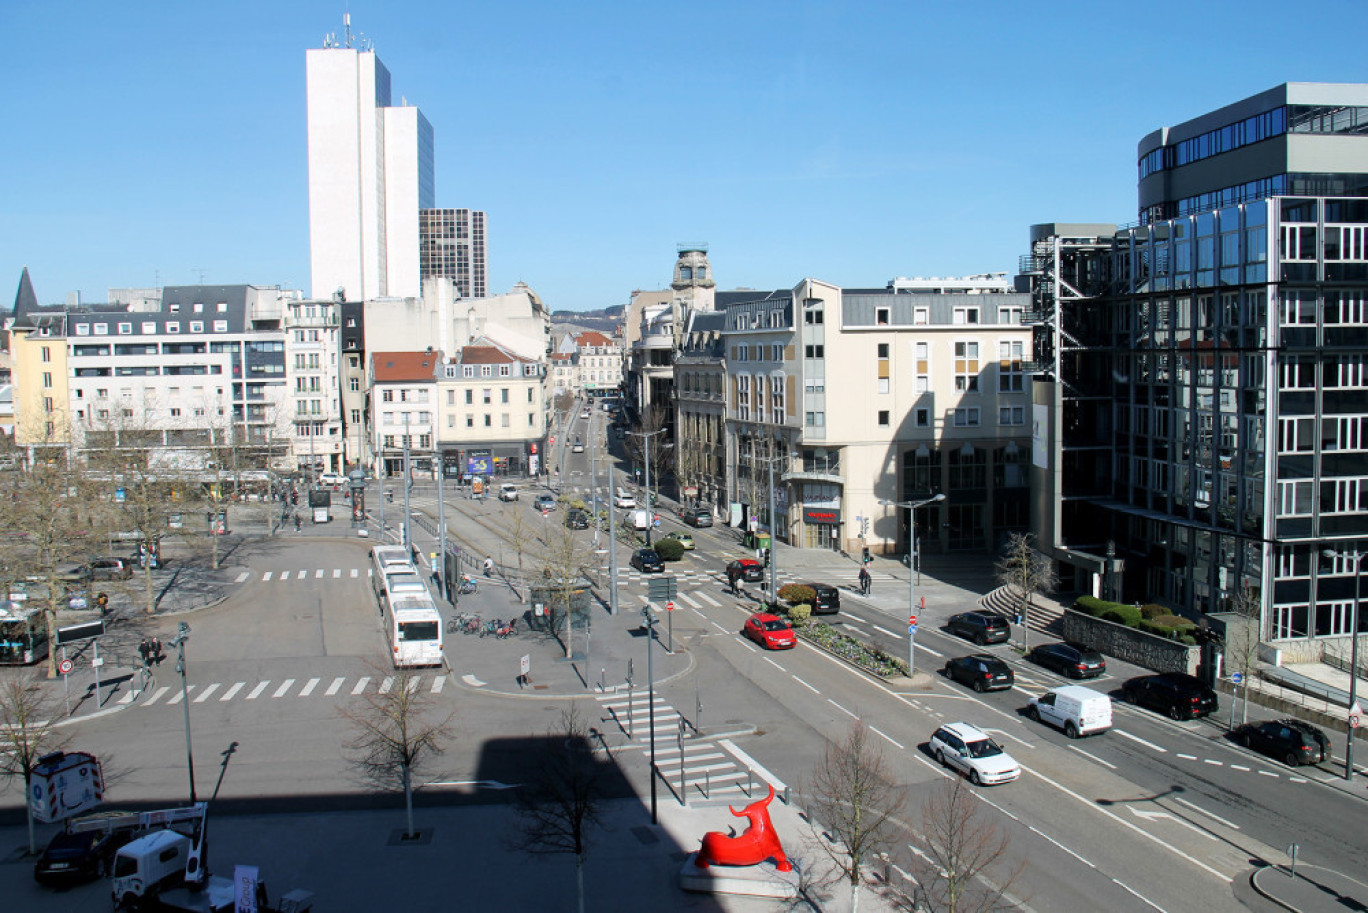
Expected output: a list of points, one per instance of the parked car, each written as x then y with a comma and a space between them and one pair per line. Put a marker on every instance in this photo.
980, 671
1182, 697
624, 499
697, 517
577, 519
770, 631
103, 568
1069, 659
980, 627
545, 502
826, 598
964, 748
331, 479
749, 569
683, 539
1074, 709
78, 857
1290, 741
508, 492
647, 561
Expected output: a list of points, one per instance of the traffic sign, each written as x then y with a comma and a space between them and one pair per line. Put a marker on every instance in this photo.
1237, 677
65, 666
1353, 721
911, 629
912, 620
669, 606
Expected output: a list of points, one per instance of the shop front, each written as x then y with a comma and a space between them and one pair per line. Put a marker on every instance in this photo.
822, 527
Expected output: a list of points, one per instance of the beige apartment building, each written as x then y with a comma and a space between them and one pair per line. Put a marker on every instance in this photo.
491, 412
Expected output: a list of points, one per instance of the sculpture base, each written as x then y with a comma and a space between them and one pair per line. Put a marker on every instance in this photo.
762, 880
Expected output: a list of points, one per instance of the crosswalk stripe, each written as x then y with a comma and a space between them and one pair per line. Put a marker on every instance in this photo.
161, 692
387, 684
232, 692
302, 575
176, 698
336, 684
256, 692
361, 685
308, 689
337, 572
437, 684
284, 575
243, 576
709, 600
318, 574
353, 573
204, 695
412, 686
266, 577
682, 597
284, 686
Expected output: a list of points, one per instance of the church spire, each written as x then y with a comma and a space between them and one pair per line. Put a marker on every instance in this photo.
25, 301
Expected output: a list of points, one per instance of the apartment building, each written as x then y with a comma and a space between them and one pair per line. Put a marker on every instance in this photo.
403, 394
312, 350
600, 363
492, 412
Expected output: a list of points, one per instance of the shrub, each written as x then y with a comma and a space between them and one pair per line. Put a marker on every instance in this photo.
797, 593
799, 614
866, 657
1171, 626
1149, 611
669, 549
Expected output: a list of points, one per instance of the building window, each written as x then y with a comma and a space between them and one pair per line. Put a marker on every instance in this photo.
387, 396
1011, 378
815, 419
489, 420
966, 367
883, 418
469, 371
965, 315
881, 316
47, 378
814, 351
967, 417
921, 315
813, 316
923, 418
125, 329
486, 370
220, 326
503, 395
1012, 415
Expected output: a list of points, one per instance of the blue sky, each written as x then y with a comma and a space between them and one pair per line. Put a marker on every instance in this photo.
157, 142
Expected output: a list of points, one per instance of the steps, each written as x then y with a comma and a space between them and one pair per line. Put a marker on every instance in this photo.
1045, 614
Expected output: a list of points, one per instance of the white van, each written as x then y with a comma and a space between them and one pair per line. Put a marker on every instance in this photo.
1077, 710
639, 520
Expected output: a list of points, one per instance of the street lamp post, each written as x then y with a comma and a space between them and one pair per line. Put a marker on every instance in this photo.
649, 619
650, 508
1355, 556
182, 635
912, 570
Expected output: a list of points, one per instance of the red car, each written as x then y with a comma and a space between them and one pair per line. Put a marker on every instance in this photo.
770, 632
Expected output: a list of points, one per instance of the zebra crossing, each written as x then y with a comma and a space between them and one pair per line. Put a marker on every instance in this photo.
268, 690
700, 768
304, 575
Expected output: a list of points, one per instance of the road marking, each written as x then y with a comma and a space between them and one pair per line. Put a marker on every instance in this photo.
1094, 757
1155, 815
335, 686
308, 689
361, 685
353, 573
256, 692
160, 693
888, 633
204, 695
842, 709
337, 572
709, 600
775, 665
1135, 738
1187, 757
1197, 808
682, 597
806, 685
1142, 897
176, 698
1267, 773
284, 686
853, 623
412, 685
302, 575
387, 684
231, 692
1297, 780
318, 574
243, 576
720, 628
895, 742
284, 575
1239, 767
1211, 761
936, 653
437, 684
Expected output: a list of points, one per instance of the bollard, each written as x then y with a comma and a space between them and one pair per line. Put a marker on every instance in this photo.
707, 784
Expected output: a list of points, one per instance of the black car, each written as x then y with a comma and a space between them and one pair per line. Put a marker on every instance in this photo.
1070, 659
980, 671
697, 517
1182, 697
81, 856
747, 569
826, 598
100, 569
980, 627
577, 519
1291, 741
647, 561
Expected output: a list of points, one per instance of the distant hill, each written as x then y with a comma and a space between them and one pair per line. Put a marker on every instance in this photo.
605, 320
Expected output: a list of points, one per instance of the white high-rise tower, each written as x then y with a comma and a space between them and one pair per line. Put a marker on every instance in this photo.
370, 171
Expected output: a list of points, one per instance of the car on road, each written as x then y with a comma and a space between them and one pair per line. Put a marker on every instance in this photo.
970, 751
683, 539
1181, 696
1074, 709
981, 627
647, 561
826, 598
331, 478
770, 631
578, 446
1069, 659
545, 502
76, 857
508, 492
748, 569
980, 671
576, 519
624, 499
1291, 741
103, 568
697, 517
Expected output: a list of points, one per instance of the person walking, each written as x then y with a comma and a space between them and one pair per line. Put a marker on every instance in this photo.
488, 566
298, 525
864, 581
733, 574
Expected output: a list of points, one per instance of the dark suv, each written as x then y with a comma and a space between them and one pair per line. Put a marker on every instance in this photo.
697, 517
1182, 697
826, 598
1071, 659
980, 627
577, 519
1291, 741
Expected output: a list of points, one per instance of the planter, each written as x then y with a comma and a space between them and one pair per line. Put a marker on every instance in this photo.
858, 654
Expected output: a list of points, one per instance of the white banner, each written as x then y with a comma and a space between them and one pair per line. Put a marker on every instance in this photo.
245, 889
1040, 436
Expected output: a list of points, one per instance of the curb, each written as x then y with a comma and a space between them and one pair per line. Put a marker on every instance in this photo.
1254, 883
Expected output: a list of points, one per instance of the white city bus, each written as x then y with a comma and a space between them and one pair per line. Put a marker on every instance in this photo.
414, 628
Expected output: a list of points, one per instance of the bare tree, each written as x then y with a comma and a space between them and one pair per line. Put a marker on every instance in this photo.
395, 728
562, 568
520, 535
960, 845
28, 731
563, 801
851, 795
1028, 573
1242, 638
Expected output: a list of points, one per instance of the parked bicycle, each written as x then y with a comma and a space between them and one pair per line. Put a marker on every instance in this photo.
507, 630
468, 586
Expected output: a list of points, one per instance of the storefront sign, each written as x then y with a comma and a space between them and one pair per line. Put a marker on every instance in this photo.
821, 515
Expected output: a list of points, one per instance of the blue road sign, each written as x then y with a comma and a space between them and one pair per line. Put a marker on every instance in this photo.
1237, 677
911, 629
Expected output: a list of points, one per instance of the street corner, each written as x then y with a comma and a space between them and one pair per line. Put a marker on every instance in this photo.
1309, 888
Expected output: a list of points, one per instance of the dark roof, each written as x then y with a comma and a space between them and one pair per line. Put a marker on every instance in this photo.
25, 301
721, 300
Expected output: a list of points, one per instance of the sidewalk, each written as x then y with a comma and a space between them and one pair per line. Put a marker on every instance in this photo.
1311, 890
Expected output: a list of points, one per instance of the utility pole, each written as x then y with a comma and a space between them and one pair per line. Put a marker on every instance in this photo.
912, 572
404, 525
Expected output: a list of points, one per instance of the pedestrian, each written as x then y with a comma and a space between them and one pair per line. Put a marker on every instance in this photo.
145, 651
102, 602
733, 575
864, 581
298, 525
156, 650
488, 566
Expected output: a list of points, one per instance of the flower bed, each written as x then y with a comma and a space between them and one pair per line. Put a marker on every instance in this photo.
870, 659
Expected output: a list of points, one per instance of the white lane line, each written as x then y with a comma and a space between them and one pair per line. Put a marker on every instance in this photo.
887, 632
1239, 767
853, 623
437, 684
266, 577
1197, 808
308, 688
353, 573
895, 742
806, 685
243, 576
775, 665
256, 692
698, 613
232, 692
1213, 762
337, 572
923, 648
1297, 780
204, 695
720, 628
161, 692
1187, 757
361, 685
842, 709
1094, 757
684, 598
335, 686
284, 686
709, 600
1267, 773
1135, 738
387, 684
284, 575
1139, 896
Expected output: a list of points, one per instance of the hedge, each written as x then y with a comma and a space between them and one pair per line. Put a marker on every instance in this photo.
669, 549
1119, 612
797, 594
1150, 618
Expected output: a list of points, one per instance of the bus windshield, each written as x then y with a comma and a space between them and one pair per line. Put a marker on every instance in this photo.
418, 630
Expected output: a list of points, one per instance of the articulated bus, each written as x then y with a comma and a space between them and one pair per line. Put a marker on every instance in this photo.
414, 628
23, 634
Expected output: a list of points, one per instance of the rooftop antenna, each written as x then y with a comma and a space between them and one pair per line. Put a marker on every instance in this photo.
346, 23
196, 269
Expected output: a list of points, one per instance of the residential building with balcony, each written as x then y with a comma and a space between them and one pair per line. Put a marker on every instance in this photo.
700, 463
403, 394
312, 352
492, 412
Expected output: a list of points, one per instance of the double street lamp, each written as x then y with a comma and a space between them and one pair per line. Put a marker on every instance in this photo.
182, 635
1356, 556
912, 568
